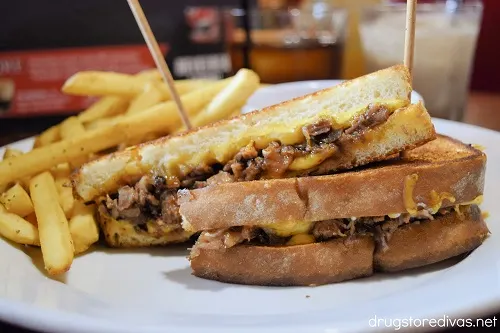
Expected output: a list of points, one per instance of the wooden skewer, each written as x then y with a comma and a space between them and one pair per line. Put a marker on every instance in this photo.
411, 6
160, 62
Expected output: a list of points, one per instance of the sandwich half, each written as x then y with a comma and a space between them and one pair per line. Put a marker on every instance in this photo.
360, 121
406, 212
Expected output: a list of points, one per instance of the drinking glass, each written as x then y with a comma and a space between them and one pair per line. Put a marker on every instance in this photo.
445, 44
288, 45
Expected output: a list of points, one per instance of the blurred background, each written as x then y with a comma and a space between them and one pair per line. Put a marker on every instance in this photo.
43, 43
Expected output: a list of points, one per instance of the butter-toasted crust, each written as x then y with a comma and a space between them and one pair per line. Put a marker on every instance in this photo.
311, 264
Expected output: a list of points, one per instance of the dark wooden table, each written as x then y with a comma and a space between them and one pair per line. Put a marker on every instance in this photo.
483, 110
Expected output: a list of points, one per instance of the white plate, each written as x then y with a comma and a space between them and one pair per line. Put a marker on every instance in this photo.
278, 93
152, 290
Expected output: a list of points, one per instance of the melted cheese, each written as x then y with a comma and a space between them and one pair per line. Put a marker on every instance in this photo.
301, 239
290, 228
311, 160
437, 200
409, 185
345, 119
476, 201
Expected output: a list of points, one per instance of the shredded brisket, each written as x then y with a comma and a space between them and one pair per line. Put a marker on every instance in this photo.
376, 114
324, 230
380, 227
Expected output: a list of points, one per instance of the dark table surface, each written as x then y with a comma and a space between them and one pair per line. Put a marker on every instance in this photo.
483, 110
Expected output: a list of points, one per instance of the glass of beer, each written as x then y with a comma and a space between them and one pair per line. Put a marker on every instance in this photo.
287, 45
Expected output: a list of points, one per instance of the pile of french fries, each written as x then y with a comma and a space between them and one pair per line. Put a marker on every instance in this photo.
37, 205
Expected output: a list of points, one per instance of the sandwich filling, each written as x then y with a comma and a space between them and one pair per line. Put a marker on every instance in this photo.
154, 197
380, 227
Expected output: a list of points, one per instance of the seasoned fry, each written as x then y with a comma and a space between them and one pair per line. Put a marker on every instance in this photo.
160, 118
55, 238
187, 86
71, 127
94, 83
47, 137
105, 107
151, 96
17, 201
103, 122
65, 194
61, 170
83, 227
17, 229
11, 152
234, 96
150, 74
183, 86
164, 116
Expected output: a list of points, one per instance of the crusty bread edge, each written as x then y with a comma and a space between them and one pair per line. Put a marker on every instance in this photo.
311, 264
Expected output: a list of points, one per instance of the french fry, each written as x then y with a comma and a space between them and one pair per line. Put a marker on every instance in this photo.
83, 227
47, 137
55, 238
61, 170
151, 96
183, 86
17, 229
103, 122
187, 86
150, 74
94, 83
17, 201
105, 107
71, 127
65, 194
160, 118
11, 152
232, 97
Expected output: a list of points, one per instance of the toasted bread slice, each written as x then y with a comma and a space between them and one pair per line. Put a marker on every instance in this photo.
444, 165
342, 259
218, 143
